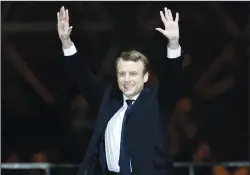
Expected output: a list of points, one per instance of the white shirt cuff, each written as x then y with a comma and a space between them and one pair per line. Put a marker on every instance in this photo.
70, 51
174, 53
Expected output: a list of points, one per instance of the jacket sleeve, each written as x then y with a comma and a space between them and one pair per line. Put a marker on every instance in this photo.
171, 82
89, 85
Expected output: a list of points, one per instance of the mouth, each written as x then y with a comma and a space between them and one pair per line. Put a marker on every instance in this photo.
127, 87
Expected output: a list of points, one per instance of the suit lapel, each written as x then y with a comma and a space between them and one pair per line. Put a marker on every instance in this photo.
117, 102
114, 106
142, 98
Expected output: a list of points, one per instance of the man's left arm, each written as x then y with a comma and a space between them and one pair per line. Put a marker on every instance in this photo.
170, 74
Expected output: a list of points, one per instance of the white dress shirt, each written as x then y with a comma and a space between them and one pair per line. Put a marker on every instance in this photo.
113, 137
114, 127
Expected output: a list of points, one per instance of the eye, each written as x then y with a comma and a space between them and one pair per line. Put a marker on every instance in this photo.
121, 74
133, 73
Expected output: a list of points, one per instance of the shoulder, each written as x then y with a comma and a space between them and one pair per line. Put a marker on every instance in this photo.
113, 92
151, 87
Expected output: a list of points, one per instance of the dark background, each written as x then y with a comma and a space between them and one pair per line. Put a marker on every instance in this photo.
44, 114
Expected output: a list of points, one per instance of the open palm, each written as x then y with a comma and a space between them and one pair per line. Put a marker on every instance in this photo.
171, 26
63, 28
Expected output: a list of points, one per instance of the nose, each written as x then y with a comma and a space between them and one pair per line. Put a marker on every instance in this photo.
127, 77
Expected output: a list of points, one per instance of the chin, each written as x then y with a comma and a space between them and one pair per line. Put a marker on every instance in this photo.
128, 94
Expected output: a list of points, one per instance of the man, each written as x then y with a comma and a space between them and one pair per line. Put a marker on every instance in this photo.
128, 137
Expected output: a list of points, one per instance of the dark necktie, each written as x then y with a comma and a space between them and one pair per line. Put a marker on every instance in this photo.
124, 160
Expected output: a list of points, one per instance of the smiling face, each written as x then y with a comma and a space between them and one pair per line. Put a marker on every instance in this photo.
131, 73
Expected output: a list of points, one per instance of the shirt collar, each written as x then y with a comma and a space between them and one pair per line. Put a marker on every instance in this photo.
126, 98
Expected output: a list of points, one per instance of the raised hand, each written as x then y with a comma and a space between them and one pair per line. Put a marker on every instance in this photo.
63, 28
171, 26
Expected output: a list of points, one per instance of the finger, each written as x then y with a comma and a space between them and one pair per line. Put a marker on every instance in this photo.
61, 10
163, 18
177, 17
67, 15
166, 14
63, 13
58, 17
170, 15
70, 29
160, 30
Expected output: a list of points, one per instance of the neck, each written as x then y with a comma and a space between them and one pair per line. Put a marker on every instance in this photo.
130, 97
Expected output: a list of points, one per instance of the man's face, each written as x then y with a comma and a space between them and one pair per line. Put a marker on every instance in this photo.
131, 77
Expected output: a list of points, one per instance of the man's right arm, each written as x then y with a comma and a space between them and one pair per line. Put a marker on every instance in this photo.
79, 71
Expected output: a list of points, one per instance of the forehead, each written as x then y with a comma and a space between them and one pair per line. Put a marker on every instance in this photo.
124, 65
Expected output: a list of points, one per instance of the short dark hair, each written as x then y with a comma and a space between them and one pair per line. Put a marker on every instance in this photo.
135, 56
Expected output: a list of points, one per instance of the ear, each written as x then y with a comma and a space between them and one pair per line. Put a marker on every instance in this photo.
146, 75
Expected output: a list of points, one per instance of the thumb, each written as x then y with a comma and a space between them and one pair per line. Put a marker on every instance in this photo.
70, 29
160, 30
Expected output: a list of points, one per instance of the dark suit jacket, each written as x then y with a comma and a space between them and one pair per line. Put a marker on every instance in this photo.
146, 135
